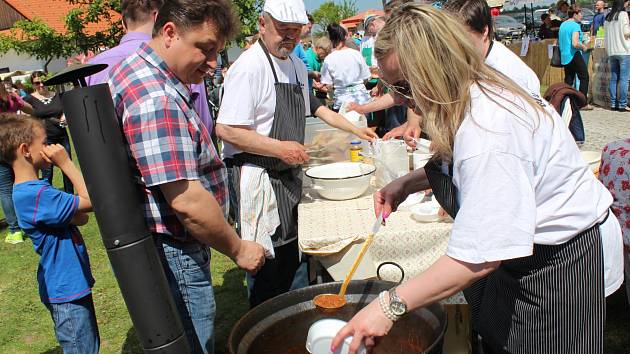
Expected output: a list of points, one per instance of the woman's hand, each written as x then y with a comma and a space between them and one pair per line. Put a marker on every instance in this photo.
370, 322
389, 197
353, 106
396, 132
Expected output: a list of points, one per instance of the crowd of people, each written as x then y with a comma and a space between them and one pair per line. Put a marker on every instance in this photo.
576, 45
533, 243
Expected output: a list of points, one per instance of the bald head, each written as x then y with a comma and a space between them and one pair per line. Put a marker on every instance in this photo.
600, 5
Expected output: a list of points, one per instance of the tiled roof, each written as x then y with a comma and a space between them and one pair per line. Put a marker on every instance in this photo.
53, 12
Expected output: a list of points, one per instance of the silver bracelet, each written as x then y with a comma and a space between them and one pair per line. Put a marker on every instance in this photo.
385, 307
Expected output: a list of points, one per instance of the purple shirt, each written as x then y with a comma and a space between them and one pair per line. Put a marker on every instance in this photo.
129, 43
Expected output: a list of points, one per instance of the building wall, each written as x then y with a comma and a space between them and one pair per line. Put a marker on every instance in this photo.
25, 62
8, 15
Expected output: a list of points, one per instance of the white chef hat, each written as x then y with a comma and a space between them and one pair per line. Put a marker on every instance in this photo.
287, 11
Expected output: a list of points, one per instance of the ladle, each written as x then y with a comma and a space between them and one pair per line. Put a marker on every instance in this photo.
336, 301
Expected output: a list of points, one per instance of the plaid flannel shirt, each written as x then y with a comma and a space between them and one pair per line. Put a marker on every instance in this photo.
164, 136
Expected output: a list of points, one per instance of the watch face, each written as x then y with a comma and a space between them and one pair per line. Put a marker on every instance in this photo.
398, 308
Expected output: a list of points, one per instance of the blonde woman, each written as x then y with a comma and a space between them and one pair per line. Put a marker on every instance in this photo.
532, 244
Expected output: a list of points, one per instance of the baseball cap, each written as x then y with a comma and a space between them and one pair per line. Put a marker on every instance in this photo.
287, 11
368, 19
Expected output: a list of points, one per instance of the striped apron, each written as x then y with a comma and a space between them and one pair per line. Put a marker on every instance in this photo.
550, 302
289, 124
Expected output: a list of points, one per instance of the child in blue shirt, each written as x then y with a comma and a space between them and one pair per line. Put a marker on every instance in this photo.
50, 217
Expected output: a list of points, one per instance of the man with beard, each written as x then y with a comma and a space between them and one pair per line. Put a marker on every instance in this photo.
262, 122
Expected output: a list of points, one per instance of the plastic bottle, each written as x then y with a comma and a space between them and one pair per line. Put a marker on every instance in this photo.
355, 151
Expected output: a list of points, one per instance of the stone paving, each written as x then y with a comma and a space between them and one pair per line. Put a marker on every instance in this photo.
603, 126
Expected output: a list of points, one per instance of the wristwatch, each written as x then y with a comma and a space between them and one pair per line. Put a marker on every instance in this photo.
385, 307
397, 305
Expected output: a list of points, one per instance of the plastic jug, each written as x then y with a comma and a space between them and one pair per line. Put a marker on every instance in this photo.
391, 160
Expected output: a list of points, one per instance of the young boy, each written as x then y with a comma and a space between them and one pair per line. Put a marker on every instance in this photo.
50, 217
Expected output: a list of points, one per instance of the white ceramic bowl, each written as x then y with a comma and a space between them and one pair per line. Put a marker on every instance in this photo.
426, 212
341, 180
592, 158
321, 334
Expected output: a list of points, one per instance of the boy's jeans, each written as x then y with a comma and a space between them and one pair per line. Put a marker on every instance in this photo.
187, 268
6, 196
75, 326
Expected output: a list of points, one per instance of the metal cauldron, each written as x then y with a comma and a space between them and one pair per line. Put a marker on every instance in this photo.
280, 325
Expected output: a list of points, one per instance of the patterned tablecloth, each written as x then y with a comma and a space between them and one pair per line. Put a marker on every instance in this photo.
329, 229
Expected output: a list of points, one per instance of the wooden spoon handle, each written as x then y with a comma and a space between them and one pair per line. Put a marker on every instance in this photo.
355, 265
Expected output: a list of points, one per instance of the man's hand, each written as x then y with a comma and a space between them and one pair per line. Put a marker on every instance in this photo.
55, 154
366, 134
250, 257
292, 153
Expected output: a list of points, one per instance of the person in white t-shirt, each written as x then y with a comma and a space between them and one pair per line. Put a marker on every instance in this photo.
372, 24
533, 244
477, 20
345, 70
262, 124
617, 44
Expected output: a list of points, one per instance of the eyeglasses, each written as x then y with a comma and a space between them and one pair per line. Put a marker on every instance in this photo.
38, 83
401, 88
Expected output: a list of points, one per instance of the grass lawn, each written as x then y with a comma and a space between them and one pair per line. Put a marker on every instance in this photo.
26, 326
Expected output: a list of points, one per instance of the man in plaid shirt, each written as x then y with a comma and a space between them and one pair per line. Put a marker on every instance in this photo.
183, 178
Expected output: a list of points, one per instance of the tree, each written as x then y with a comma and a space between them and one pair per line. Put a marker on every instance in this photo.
331, 12
248, 11
39, 40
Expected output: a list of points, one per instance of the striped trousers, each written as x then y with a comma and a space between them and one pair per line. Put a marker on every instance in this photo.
550, 302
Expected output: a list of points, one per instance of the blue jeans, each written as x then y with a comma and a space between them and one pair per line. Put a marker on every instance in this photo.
619, 73
75, 326
187, 268
47, 173
6, 196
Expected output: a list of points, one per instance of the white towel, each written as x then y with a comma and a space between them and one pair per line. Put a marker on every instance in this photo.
258, 208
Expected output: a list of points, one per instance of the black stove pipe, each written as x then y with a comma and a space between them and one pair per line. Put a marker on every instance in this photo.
118, 206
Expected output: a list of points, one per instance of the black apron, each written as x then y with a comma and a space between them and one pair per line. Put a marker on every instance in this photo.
289, 123
550, 302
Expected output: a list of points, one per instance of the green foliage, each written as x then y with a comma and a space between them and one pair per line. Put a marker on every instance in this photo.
93, 11
39, 40
248, 11
331, 12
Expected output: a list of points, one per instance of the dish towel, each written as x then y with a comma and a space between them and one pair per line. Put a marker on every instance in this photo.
258, 208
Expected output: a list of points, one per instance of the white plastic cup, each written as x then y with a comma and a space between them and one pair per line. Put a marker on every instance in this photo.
321, 334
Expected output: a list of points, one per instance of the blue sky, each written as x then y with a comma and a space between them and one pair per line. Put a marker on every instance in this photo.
312, 5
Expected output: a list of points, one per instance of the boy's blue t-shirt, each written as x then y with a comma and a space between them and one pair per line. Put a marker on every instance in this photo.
44, 213
565, 40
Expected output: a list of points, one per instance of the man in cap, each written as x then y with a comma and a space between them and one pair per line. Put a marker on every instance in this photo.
372, 25
183, 181
262, 121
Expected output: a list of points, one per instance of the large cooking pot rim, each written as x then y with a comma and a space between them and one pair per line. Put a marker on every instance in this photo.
364, 289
